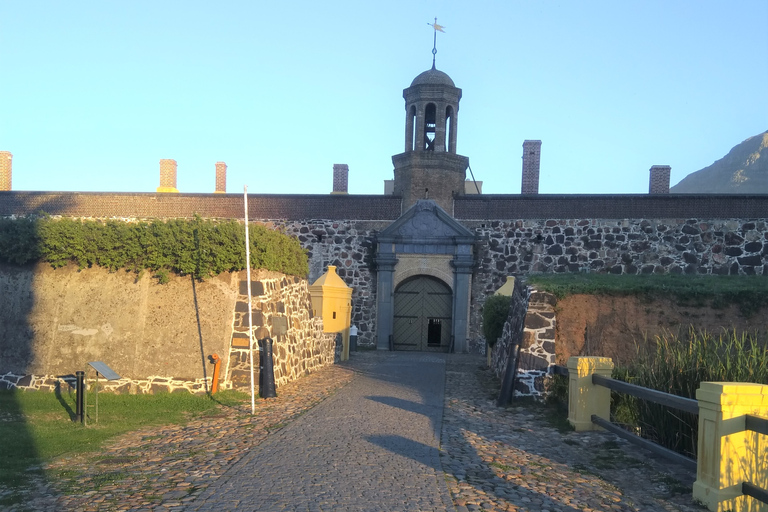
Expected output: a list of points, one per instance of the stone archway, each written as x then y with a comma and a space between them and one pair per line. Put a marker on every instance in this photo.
422, 319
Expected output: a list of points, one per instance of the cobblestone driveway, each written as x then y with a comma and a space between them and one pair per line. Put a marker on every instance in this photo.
386, 431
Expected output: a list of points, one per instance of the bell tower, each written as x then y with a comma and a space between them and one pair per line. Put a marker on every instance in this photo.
430, 168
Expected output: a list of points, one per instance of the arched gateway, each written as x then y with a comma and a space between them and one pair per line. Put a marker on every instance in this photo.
423, 315
424, 264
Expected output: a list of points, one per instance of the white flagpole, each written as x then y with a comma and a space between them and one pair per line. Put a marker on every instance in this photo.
250, 304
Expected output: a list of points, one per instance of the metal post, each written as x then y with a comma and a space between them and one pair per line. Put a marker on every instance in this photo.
267, 374
96, 390
353, 339
250, 299
80, 398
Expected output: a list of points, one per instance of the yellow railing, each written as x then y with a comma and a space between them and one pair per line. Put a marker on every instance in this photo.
732, 458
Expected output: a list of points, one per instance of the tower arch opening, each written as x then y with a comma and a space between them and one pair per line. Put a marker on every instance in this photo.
410, 129
430, 126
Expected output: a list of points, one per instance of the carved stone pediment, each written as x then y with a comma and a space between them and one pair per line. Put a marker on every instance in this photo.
425, 222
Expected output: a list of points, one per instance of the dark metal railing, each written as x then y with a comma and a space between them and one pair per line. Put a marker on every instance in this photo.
753, 423
760, 425
756, 492
648, 445
757, 424
657, 397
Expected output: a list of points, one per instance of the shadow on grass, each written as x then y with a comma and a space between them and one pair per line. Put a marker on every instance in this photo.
60, 398
19, 457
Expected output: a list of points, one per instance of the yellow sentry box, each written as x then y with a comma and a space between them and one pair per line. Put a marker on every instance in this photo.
332, 301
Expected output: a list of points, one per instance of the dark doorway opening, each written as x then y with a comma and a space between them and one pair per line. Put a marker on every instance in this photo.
434, 332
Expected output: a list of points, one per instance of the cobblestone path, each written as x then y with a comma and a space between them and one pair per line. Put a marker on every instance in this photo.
373, 446
364, 436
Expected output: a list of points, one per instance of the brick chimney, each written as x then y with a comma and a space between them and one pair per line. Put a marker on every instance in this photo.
531, 163
221, 178
6, 159
167, 175
659, 182
340, 176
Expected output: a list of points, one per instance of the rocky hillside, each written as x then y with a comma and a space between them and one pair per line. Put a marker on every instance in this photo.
744, 170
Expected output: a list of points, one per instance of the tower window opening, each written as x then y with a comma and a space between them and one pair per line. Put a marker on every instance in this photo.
411, 141
430, 125
449, 142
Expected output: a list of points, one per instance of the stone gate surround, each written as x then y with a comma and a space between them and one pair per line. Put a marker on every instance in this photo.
425, 240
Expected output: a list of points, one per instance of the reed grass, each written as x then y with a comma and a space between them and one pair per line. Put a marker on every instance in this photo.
678, 366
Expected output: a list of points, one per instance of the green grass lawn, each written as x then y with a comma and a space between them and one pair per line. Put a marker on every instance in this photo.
749, 293
36, 426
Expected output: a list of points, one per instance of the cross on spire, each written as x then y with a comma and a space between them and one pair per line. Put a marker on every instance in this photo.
434, 42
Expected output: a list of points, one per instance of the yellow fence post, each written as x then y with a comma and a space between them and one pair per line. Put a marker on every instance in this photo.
585, 398
727, 454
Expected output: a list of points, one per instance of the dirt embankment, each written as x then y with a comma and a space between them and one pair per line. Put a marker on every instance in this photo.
615, 327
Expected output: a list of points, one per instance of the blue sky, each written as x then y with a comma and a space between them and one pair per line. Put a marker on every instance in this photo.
94, 94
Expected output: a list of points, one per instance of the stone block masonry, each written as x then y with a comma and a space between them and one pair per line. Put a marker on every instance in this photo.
340, 179
221, 178
533, 313
6, 161
531, 165
157, 337
349, 245
300, 350
137, 205
619, 246
167, 175
659, 179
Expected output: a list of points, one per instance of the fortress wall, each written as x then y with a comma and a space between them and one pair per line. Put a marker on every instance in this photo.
349, 245
634, 234
735, 246
158, 337
222, 206
626, 206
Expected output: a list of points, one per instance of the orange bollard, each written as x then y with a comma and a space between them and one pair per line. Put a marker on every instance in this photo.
216, 367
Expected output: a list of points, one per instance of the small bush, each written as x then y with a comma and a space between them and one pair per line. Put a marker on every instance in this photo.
495, 313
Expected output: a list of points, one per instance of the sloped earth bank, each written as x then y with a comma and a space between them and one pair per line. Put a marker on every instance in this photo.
617, 327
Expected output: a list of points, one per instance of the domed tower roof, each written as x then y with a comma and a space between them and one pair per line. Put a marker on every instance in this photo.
433, 77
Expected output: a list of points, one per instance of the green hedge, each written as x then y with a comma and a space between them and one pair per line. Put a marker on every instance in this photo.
197, 247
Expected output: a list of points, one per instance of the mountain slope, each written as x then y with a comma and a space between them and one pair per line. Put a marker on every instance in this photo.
744, 170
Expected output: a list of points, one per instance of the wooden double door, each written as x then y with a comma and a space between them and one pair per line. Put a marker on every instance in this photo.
422, 322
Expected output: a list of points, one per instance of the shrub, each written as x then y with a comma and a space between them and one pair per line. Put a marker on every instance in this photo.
495, 313
197, 247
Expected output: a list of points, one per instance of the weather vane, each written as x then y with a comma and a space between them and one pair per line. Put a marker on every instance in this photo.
434, 43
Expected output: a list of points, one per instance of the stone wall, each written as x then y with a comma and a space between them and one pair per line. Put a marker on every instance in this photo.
302, 348
513, 331
637, 246
157, 337
349, 245
537, 351
531, 323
